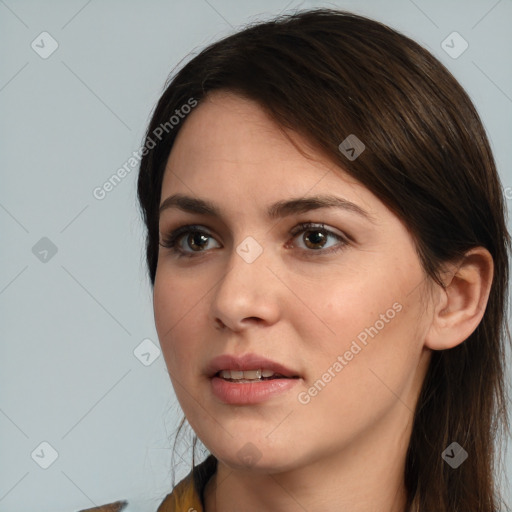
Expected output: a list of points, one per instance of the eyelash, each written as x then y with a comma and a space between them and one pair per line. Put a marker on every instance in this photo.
170, 241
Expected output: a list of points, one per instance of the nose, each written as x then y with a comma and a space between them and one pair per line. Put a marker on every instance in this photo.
247, 294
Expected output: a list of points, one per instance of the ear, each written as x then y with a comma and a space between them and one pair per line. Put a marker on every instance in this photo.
461, 304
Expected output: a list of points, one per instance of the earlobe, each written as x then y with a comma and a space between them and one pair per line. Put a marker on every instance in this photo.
461, 304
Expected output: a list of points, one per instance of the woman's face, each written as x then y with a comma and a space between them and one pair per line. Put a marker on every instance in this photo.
337, 304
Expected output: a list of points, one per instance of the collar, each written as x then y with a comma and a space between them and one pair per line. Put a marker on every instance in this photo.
188, 494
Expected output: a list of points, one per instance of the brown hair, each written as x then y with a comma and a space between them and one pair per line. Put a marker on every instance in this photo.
327, 74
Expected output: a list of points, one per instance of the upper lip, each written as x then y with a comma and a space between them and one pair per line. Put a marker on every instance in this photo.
246, 362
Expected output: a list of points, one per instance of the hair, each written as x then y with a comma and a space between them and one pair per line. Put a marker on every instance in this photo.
326, 74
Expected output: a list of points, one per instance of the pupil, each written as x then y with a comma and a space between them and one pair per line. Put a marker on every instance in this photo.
193, 238
319, 238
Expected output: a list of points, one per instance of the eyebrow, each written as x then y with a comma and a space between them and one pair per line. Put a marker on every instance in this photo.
275, 211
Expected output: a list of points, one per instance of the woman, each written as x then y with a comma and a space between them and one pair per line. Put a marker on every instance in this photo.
329, 255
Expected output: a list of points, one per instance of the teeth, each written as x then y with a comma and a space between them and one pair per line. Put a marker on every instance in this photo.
251, 374
246, 375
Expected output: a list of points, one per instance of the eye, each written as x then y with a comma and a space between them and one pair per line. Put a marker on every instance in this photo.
196, 238
315, 238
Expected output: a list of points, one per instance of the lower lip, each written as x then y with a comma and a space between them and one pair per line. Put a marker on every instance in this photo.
242, 393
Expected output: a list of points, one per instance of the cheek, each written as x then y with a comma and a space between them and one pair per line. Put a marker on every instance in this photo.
356, 305
373, 334
374, 302
174, 298
175, 308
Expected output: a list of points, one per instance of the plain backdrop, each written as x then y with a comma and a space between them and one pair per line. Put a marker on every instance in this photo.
83, 388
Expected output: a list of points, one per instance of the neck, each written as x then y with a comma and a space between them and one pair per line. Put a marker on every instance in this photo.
366, 476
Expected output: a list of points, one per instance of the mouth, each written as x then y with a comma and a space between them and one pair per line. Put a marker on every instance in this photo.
249, 379
247, 376
248, 367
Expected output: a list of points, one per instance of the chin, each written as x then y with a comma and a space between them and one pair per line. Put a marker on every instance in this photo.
252, 456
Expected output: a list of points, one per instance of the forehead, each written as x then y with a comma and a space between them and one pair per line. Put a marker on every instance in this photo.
232, 155
231, 138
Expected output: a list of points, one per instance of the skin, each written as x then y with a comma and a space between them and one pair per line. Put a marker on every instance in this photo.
345, 449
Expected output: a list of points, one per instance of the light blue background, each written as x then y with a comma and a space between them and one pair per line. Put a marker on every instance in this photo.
69, 327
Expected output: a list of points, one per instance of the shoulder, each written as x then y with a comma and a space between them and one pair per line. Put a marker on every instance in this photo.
182, 498
109, 507
185, 497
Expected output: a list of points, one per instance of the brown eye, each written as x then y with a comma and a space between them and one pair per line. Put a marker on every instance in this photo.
314, 238
188, 241
197, 240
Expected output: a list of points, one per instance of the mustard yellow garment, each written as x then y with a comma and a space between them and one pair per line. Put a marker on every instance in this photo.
185, 497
